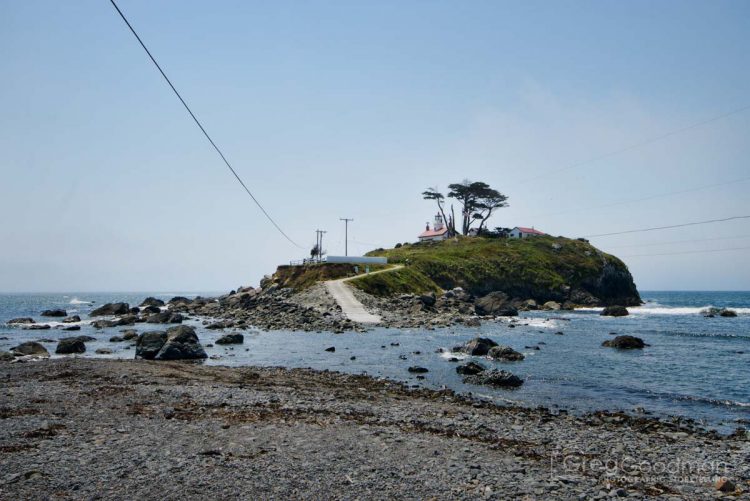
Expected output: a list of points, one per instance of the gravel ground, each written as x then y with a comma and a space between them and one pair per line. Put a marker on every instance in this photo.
79, 428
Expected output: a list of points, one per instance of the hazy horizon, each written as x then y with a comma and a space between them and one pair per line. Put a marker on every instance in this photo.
337, 109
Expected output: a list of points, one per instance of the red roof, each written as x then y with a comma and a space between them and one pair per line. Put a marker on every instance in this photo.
530, 230
433, 233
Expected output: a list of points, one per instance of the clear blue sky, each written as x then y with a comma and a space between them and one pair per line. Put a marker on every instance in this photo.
337, 108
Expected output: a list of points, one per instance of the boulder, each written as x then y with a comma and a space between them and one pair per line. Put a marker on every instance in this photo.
150, 309
331, 349
179, 300
30, 348
614, 311
723, 484
497, 378
22, 320
727, 313
551, 306
501, 352
70, 345
495, 303
625, 343
111, 309
71, 319
470, 369
55, 313
530, 304
428, 299
36, 327
417, 370
6, 356
149, 343
103, 351
478, 346
710, 312
182, 344
152, 301
72, 328
233, 338
116, 339
165, 317
129, 334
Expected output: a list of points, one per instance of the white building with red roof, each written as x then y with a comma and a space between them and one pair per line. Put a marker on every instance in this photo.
521, 232
439, 231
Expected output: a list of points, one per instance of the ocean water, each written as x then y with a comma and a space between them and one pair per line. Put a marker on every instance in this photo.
695, 367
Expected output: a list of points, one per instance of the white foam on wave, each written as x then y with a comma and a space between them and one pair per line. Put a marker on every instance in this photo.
447, 354
541, 323
75, 300
660, 309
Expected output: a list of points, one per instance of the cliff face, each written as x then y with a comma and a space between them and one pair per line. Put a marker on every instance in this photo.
541, 268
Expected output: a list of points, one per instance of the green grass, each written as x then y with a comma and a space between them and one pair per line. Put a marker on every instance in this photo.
404, 280
302, 277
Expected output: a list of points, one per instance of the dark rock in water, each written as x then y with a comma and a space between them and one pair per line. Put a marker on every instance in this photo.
470, 369
182, 344
478, 346
234, 338
501, 352
72, 328
472, 322
102, 324
103, 351
30, 348
152, 301
71, 319
129, 334
150, 310
36, 327
69, 345
179, 300
23, 320
331, 349
502, 379
165, 317
625, 343
111, 309
6, 356
614, 311
417, 369
116, 339
428, 299
495, 303
222, 324
149, 343
55, 313
727, 313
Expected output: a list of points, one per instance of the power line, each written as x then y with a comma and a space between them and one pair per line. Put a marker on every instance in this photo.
689, 252
668, 227
638, 144
650, 197
200, 126
655, 244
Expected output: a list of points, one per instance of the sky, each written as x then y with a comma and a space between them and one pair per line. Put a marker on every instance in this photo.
331, 109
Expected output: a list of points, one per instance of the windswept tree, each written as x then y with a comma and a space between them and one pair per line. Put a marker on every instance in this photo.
478, 201
439, 198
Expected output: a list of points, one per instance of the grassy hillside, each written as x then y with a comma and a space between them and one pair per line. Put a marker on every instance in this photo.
302, 277
542, 268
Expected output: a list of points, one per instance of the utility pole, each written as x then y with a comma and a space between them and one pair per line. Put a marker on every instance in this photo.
346, 234
320, 243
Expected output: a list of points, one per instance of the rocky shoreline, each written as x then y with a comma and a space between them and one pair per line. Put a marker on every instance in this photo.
82, 429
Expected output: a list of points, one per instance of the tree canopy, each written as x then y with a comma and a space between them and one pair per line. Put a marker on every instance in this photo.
477, 199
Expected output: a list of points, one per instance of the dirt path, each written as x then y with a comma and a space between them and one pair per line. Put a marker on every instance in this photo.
350, 305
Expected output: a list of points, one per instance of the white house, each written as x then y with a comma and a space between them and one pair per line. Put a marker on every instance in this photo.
439, 231
521, 232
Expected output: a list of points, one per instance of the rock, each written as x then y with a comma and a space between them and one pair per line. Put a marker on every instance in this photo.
70, 345
551, 305
23, 320
30, 348
103, 351
54, 313
470, 369
129, 334
727, 313
71, 319
150, 310
417, 369
116, 339
181, 344
478, 346
149, 343
72, 328
472, 322
36, 327
331, 349
152, 301
165, 317
428, 299
6, 356
530, 304
498, 378
111, 309
625, 343
179, 300
501, 352
725, 485
495, 303
614, 311
233, 338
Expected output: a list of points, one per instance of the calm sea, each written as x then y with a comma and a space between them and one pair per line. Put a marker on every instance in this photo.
695, 367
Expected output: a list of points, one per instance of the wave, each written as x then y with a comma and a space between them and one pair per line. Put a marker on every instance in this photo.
696, 398
75, 300
659, 309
